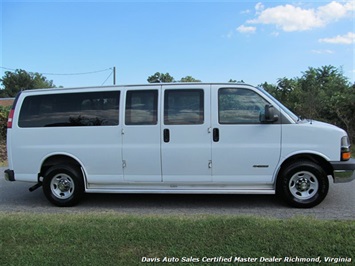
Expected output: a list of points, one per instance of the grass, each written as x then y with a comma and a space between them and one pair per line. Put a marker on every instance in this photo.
114, 239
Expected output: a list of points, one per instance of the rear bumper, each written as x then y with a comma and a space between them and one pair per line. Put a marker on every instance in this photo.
9, 175
344, 171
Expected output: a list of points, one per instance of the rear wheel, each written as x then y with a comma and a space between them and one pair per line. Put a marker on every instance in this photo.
63, 185
303, 184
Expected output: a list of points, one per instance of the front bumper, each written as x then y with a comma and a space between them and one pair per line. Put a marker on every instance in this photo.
344, 171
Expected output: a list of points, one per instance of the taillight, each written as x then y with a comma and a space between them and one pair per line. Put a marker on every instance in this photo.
9, 120
12, 111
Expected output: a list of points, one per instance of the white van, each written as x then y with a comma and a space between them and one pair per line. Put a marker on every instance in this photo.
171, 138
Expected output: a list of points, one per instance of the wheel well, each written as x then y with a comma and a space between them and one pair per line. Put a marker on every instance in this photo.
310, 157
56, 160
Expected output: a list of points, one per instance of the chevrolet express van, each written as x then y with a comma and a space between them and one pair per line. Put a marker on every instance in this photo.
171, 138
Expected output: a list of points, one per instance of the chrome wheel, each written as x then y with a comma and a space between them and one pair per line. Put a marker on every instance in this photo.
303, 185
62, 186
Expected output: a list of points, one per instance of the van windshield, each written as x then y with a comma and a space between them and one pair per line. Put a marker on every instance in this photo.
294, 117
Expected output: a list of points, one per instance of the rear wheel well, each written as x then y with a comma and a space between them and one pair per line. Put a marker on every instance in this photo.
57, 160
323, 163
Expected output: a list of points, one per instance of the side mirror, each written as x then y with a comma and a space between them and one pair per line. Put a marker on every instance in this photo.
269, 115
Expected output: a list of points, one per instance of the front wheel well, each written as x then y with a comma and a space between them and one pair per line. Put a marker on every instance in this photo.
323, 163
57, 160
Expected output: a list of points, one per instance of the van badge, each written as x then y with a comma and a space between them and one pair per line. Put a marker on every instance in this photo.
260, 166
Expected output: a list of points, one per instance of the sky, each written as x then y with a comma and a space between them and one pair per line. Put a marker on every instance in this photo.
213, 41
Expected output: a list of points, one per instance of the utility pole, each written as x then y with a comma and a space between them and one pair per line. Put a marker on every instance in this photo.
114, 75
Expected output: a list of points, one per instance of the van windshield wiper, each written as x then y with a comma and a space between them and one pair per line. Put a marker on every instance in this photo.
303, 119
299, 118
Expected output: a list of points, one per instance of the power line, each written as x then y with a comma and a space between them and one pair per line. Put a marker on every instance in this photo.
64, 74
107, 79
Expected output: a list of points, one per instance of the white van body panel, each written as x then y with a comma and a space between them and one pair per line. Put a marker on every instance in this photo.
141, 154
246, 154
93, 147
311, 138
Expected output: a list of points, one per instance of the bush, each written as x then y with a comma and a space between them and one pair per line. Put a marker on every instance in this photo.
4, 113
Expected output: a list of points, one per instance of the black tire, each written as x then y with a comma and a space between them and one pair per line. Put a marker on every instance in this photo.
303, 184
63, 185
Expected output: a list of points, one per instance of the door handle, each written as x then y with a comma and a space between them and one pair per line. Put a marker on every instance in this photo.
166, 135
215, 134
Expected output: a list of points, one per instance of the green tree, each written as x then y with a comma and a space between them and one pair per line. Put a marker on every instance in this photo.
189, 79
235, 81
316, 90
4, 113
322, 93
283, 90
14, 82
343, 104
160, 77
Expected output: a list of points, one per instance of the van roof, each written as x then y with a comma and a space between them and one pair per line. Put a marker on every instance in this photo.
140, 85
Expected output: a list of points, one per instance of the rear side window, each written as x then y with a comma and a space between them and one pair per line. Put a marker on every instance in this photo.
141, 107
70, 109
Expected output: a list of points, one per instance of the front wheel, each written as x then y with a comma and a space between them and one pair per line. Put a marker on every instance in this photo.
303, 184
63, 185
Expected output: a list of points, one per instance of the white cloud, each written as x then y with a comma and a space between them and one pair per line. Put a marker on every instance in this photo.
245, 11
335, 10
246, 29
348, 38
294, 18
322, 52
259, 7
228, 35
288, 18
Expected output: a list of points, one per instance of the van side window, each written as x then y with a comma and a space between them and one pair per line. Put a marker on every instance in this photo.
239, 106
184, 107
71, 109
141, 107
